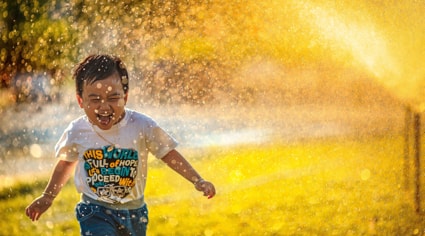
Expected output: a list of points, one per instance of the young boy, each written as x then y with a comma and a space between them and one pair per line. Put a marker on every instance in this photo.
108, 147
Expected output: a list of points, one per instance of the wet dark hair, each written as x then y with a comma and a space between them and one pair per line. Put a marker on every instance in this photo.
99, 67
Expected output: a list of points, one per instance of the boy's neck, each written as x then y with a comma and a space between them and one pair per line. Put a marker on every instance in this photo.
121, 117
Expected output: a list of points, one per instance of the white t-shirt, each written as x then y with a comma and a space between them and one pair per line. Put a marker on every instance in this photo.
112, 164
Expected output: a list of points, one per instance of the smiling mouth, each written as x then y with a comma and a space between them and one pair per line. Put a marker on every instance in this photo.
104, 119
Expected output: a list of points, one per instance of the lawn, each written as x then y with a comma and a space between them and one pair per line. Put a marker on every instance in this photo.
320, 187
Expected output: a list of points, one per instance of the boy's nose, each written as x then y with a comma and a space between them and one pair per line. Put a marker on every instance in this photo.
104, 105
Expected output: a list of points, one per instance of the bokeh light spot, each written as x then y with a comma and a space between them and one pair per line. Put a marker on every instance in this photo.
365, 174
36, 151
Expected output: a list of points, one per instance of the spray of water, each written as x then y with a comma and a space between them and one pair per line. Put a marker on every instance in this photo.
251, 52
359, 38
264, 71
379, 39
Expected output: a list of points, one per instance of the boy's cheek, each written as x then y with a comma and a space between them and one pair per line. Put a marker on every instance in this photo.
121, 103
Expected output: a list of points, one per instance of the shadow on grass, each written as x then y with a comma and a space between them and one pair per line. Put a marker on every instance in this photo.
20, 189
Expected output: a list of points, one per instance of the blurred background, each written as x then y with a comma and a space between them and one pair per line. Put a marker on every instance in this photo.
329, 86
216, 72
214, 51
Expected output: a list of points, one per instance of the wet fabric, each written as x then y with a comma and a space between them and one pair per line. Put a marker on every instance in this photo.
112, 164
96, 220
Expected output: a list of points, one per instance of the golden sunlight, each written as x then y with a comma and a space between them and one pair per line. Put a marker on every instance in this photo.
362, 40
380, 38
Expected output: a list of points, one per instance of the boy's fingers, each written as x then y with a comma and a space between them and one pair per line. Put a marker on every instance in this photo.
210, 194
36, 216
29, 213
32, 214
209, 191
207, 188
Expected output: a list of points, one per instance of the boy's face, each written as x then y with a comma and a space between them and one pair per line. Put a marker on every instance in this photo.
104, 101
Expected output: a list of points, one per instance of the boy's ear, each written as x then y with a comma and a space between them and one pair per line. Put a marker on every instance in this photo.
80, 100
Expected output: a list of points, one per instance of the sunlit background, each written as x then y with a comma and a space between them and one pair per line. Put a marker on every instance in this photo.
214, 73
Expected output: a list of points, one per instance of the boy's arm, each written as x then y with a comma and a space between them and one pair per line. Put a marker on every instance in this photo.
61, 174
179, 164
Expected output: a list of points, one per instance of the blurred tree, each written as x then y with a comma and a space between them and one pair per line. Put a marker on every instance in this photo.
162, 42
183, 62
35, 38
179, 51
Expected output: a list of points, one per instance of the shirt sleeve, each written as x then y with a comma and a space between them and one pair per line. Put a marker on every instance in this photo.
65, 148
159, 142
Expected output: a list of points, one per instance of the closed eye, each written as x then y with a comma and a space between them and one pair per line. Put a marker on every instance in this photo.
114, 98
94, 98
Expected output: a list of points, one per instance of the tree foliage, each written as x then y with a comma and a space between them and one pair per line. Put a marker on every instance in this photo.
163, 43
35, 38
186, 51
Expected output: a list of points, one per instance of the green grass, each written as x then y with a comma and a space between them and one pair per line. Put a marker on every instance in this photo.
326, 187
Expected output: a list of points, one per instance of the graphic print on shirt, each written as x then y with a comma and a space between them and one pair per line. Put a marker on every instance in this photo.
111, 171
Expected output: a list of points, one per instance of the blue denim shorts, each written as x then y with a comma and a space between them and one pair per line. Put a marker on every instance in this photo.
98, 220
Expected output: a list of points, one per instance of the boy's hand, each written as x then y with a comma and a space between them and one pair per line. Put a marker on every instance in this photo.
38, 207
206, 187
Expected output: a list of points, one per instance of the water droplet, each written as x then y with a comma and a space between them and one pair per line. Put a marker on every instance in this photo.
49, 224
36, 151
124, 80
